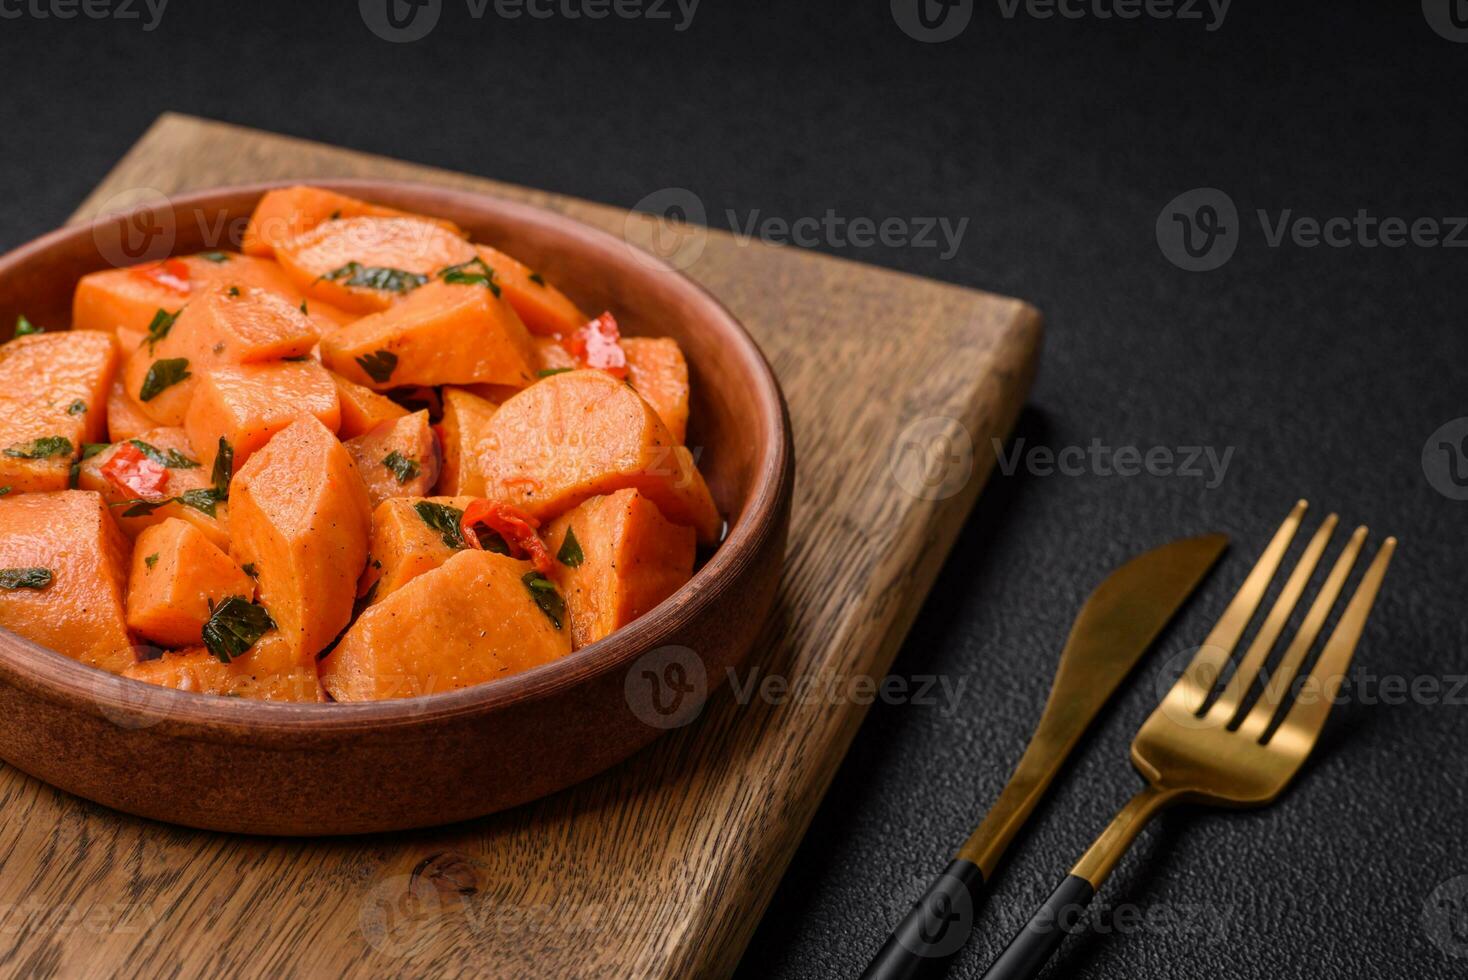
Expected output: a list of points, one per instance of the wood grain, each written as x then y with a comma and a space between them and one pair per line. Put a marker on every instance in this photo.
661, 866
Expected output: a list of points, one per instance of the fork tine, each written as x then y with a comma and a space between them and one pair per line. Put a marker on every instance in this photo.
1283, 676
1191, 691
1306, 718
1227, 705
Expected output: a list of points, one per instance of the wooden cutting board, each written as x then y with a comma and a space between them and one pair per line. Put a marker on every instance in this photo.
662, 866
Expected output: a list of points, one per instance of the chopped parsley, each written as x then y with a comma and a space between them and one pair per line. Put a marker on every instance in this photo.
204, 500
5, 489
151, 560
24, 327
163, 374
215, 257
536, 278
234, 292
250, 570
76, 408
376, 277
43, 448
303, 308
25, 578
401, 466
379, 365
570, 553
444, 519
223, 468
172, 458
475, 272
162, 323
90, 449
544, 594
235, 625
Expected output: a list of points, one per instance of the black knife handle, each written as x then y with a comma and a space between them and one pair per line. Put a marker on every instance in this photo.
934, 929
1063, 913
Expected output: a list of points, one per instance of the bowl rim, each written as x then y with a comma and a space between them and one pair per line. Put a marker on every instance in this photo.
49, 673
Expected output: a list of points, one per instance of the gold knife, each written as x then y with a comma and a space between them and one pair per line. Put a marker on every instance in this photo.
1115, 627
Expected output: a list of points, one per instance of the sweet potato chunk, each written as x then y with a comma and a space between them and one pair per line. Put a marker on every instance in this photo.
397, 459
410, 536
657, 370
53, 397
125, 418
184, 475
283, 214
178, 574
130, 298
63, 570
299, 515
583, 434
270, 671
246, 405
362, 408
472, 620
442, 333
544, 308
363, 265
623, 558
222, 325
465, 421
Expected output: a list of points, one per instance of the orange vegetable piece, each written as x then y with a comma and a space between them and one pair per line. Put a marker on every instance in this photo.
583, 434
657, 371
465, 420
125, 417
631, 560
283, 214
179, 480
269, 671
544, 308
399, 458
53, 396
248, 404
362, 408
404, 545
551, 355
79, 610
320, 260
129, 299
470, 621
442, 333
176, 573
299, 514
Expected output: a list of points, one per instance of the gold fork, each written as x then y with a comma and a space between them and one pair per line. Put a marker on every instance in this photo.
1225, 753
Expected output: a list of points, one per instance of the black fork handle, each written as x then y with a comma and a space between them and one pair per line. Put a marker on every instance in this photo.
934, 929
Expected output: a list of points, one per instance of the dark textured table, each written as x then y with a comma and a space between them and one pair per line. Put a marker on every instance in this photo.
1320, 371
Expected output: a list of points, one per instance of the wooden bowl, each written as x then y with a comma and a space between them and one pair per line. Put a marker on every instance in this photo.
256, 767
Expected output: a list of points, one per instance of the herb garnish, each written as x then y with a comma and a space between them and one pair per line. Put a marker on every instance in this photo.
25, 578
234, 292
5, 489
401, 466
76, 408
376, 277
215, 257
547, 372
544, 593
90, 449
43, 448
303, 308
24, 327
162, 323
164, 374
235, 625
444, 519
536, 278
172, 458
249, 569
223, 468
379, 365
475, 272
570, 553
151, 560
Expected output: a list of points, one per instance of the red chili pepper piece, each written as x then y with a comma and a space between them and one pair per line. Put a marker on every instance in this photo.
512, 524
171, 273
134, 473
599, 345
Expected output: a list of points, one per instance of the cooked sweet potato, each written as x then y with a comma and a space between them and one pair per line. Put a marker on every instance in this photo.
411, 536
182, 486
248, 404
178, 577
130, 298
442, 333
63, 572
657, 370
299, 516
465, 421
283, 214
473, 619
362, 408
397, 459
544, 308
363, 265
125, 417
582, 434
271, 670
53, 395
619, 558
